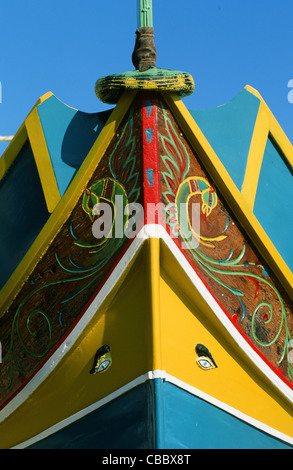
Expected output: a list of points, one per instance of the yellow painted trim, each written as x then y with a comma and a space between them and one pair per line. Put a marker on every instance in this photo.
18, 141
275, 129
255, 156
12, 151
66, 205
155, 301
42, 159
229, 190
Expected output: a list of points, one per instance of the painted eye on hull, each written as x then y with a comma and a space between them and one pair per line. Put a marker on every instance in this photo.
103, 366
102, 360
204, 360
205, 363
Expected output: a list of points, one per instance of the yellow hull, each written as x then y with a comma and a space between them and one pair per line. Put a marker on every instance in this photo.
152, 318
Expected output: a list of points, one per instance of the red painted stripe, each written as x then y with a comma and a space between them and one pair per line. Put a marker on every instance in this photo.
150, 155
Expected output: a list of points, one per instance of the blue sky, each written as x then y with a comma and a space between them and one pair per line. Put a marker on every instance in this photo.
64, 46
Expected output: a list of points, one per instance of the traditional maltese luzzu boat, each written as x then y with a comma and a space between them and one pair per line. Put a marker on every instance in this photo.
146, 270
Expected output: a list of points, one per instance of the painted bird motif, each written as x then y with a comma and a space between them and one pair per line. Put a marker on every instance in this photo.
180, 189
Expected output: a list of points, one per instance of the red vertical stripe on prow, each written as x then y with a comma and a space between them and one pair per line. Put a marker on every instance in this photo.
151, 179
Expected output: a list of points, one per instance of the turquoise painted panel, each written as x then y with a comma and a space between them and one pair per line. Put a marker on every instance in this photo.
69, 135
192, 423
23, 211
229, 129
273, 201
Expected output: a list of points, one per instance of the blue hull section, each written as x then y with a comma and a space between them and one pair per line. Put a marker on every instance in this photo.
124, 423
159, 415
192, 423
